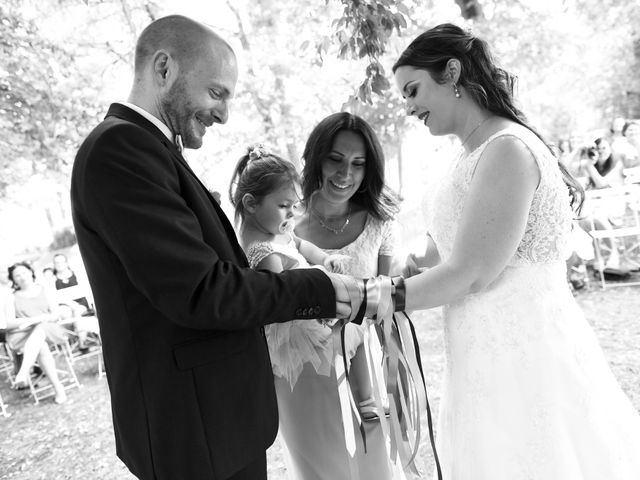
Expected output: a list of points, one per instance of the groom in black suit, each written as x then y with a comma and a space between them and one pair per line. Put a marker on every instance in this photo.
181, 314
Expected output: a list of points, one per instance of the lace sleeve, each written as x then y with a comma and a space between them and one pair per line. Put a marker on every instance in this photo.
389, 238
259, 251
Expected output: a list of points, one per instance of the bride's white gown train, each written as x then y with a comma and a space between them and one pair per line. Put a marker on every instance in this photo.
528, 394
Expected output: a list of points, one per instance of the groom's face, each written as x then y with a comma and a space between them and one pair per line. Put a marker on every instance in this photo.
200, 95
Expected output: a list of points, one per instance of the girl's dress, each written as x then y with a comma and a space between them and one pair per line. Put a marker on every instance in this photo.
527, 391
302, 354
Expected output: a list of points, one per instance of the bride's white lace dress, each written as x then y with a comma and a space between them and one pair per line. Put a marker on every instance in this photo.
528, 394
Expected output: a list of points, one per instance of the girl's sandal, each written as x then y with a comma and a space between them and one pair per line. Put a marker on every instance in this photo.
369, 410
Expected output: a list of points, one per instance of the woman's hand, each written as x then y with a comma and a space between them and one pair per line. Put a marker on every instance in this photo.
416, 264
412, 266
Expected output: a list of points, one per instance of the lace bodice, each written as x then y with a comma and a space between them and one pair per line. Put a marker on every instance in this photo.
527, 393
549, 224
377, 238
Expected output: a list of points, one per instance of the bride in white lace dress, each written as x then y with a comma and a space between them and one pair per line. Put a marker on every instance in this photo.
527, 393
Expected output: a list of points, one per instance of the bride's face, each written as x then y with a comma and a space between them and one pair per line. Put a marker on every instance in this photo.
426, 99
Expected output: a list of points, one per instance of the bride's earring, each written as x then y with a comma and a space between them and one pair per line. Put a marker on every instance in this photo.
456, 91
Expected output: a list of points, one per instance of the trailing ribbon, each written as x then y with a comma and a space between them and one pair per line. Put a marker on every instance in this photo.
406, 392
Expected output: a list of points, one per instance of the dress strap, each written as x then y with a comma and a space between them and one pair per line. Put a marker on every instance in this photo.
258, 251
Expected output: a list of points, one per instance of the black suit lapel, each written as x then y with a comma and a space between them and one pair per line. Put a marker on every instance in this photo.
231, 233
125, 113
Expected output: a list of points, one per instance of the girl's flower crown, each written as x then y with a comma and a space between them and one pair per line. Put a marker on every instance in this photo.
257, 151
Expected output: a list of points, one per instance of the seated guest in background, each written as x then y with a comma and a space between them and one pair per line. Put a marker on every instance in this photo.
605, 169
631, 132
5, 298
616, 138
65, 278
72, 297
570, 157
31, 318
49, 278
620, 145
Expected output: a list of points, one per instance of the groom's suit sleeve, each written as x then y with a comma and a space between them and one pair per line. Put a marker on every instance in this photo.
152, 216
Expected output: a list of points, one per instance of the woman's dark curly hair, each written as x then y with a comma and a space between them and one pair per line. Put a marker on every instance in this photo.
13, 267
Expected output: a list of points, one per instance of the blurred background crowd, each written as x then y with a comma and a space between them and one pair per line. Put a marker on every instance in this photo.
606, 235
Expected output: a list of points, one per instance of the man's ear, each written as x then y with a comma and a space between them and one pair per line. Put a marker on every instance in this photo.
164, 67
249, 202
453, 70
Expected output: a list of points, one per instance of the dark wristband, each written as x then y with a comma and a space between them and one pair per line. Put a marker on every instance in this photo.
399, 296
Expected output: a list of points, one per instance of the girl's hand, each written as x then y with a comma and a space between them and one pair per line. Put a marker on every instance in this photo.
335, 263
327, 322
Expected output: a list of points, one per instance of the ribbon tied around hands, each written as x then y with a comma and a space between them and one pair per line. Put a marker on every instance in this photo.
395, 375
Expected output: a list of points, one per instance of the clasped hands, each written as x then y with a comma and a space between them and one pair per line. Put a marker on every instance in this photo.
350, 295
350, 290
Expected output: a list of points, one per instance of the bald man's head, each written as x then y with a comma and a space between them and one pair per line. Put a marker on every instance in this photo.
185, 75
184, 39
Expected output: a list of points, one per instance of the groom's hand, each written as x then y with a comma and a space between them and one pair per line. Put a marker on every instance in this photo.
347, 301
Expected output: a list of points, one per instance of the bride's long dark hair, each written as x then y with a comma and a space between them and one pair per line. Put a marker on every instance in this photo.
490, 86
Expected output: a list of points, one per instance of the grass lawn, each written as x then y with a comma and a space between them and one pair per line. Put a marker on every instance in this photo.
75, 440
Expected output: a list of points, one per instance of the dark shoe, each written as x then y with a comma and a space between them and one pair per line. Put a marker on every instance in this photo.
577, 283
616, 273
20, 385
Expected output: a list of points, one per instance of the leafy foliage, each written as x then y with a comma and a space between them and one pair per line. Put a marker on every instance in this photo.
470, 9
363, 30
46, 104
63, 239
578, 63
574, 61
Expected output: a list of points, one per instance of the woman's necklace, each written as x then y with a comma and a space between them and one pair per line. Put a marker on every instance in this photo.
473, 131
322, 220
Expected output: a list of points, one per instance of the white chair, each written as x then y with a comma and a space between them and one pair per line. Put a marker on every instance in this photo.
39, 387
93, 342
3, 408
6, 367
623, 203
631, 175
6, 362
